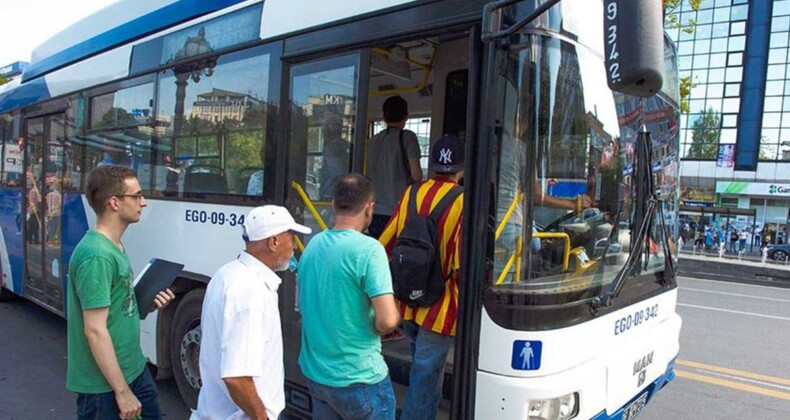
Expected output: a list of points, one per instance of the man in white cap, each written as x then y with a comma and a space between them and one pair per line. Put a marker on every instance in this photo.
241, 352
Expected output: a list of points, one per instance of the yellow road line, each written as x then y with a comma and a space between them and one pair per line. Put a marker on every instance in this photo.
712, 368
733, 384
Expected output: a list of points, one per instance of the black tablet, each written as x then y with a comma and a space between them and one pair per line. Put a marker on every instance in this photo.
158, 275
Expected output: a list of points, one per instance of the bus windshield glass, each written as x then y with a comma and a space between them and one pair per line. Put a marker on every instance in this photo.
565, 184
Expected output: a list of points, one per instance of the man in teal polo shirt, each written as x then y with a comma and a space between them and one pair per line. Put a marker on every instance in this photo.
346, 300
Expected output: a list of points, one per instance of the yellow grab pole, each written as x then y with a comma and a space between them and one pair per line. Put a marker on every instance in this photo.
309, 204
558, 235
508, 215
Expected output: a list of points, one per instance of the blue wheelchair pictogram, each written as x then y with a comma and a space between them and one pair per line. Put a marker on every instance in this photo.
526, 355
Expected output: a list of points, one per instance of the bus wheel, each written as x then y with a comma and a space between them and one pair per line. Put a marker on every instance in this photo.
185, 346
5, 294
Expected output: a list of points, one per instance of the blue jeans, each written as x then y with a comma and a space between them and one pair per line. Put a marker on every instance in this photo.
103, 406
353, 402
429, 352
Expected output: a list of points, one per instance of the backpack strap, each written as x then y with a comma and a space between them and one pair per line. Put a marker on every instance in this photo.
413, 199
446, 202
407, 166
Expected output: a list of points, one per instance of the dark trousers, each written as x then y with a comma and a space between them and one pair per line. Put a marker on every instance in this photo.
377, 225
103, 406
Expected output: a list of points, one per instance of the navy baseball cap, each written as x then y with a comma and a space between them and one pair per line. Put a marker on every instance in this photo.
447, 155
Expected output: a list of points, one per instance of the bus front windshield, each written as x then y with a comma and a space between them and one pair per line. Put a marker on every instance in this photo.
565, 188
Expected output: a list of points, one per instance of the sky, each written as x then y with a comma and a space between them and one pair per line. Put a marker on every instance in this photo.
26, 24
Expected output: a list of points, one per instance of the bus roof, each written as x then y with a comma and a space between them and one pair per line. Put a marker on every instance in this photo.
117, 24
131, 20
100, 45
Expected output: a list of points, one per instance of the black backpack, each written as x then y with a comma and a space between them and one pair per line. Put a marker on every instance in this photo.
416, 264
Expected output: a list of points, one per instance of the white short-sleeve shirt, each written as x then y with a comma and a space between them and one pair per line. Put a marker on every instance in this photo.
241, 336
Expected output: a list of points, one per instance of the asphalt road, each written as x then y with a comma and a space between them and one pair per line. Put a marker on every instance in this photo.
33, 367
733, 360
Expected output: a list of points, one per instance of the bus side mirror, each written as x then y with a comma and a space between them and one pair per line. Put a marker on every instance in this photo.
634, 46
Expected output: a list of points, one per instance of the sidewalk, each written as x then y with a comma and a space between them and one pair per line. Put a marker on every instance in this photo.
748, 269
754, 256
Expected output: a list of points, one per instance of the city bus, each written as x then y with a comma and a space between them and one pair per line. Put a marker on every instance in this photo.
568, 110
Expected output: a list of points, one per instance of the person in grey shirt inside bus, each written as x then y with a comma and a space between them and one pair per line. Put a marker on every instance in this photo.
393, 162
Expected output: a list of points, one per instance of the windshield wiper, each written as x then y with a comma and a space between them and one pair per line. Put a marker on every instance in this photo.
643, 176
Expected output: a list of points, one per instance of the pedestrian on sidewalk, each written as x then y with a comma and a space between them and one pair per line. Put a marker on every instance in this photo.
742, 240
733, 239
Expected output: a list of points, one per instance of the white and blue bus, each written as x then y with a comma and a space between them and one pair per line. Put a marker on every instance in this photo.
569, 112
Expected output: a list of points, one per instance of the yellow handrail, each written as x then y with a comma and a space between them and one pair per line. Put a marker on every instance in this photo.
309, 204
508, 215
514, 257
506, 269
299, 243
397, 91
558, 235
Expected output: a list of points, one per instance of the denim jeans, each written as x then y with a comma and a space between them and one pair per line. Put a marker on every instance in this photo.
103, 406
354, 402
429, 352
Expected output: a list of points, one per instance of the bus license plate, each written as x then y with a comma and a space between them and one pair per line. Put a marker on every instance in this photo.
632, 410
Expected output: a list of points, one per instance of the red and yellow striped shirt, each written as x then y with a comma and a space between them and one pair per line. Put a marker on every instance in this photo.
441, 316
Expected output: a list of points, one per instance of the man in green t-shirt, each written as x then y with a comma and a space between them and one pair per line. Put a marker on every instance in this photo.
106, 366
345, 296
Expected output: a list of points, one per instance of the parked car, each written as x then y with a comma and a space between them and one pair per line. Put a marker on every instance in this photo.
778, 252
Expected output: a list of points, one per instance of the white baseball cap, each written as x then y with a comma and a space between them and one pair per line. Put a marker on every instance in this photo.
267, 221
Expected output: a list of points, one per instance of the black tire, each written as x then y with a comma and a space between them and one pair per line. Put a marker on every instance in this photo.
779, 255
185, 346
6, 295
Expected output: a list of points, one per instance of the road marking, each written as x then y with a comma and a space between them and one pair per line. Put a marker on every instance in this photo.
730, 283
732, 384
734, 294
781, 318
719, 369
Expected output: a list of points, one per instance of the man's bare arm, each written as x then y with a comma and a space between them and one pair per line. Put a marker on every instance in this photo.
414, 169
242, 391
386, 312
104, 353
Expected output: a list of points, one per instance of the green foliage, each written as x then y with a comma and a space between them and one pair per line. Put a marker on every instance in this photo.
685, 91
3, 80
672, 21
705, 134
672, 18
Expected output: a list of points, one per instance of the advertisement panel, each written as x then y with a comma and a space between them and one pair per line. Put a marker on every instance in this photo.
753, 188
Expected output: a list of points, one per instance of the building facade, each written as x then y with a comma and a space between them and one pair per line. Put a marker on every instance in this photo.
735, 137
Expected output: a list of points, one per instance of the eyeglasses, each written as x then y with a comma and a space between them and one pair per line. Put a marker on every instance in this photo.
138, 196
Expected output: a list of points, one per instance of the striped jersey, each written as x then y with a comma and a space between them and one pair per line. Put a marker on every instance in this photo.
441, 316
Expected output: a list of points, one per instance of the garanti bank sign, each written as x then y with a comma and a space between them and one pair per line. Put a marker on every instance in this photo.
753, 188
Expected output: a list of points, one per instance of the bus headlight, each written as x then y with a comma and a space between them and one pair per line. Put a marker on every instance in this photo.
560, 408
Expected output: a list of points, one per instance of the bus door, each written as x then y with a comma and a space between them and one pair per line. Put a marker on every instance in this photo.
43, 209
322, 115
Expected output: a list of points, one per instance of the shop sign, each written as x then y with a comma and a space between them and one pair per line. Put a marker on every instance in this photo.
753, 188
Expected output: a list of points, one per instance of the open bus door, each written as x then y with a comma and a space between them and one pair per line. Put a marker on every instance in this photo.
43, 209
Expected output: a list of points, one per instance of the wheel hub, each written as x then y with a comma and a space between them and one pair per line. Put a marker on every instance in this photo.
190, 357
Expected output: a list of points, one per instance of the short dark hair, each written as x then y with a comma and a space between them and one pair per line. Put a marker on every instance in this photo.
395, 109
105, 182
352, 192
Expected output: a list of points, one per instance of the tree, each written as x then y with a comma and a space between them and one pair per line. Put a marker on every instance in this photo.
672, 18
3, 80
672, 21
705, 135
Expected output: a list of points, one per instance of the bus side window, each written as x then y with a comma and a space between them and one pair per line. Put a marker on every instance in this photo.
214, 128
